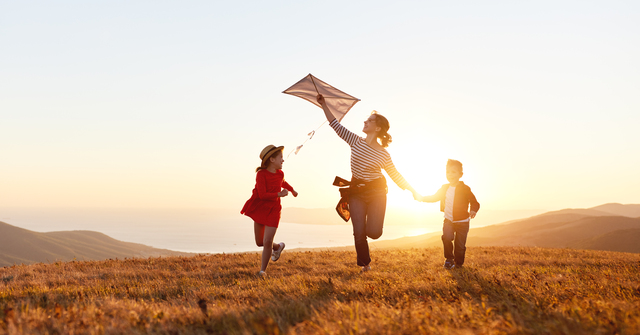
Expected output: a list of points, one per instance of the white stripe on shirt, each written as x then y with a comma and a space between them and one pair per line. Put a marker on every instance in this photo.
367, 163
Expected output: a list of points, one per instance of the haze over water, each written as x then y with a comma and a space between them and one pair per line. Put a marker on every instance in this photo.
211, 231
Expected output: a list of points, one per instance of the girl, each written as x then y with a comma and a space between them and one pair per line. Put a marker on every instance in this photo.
368, 187
264, 205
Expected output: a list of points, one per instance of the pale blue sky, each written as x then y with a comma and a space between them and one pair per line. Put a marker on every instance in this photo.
167, 104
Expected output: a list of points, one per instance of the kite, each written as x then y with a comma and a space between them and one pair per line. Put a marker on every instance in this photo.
309, 87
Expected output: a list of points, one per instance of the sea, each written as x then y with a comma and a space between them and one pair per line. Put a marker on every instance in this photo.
220, 231
195, 231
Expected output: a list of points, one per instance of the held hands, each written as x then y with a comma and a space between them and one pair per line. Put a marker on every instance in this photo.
416, 195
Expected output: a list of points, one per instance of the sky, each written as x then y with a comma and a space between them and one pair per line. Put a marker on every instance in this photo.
166, 104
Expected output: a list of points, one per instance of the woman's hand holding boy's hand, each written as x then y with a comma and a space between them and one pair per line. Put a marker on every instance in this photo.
416, 195
283, 193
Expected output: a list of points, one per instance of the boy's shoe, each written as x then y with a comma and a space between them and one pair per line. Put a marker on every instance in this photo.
366, 268
449, 265
276, 253
262, 274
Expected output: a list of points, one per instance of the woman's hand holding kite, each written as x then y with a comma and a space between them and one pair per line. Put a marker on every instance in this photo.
325, 108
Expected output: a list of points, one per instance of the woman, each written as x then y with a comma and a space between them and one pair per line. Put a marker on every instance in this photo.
368, 187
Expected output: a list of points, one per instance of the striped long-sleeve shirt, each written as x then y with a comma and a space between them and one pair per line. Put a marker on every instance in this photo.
367, 163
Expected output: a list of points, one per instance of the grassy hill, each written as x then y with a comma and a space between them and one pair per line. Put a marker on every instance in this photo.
22, 246
501, 290
620, 240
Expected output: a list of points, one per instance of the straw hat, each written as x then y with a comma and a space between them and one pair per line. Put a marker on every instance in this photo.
268, 151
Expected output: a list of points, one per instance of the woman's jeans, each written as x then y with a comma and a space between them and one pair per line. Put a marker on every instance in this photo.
454, 240
367, 217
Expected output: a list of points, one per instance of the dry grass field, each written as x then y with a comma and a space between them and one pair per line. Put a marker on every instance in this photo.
501, 290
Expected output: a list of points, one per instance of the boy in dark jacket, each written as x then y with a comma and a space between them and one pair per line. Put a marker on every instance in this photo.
455, 199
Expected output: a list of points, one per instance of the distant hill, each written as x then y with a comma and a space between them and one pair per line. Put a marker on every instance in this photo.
570, 228
580, 211
632, 211
22, 246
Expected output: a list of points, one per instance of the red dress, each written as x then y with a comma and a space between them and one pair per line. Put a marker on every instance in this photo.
264, 205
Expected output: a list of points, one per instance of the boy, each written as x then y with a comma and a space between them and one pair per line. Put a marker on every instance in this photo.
455, 199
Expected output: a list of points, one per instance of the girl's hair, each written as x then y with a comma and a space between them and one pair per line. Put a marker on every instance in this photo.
383, 123
265, 162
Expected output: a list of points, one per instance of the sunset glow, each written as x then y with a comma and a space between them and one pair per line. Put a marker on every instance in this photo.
164, 106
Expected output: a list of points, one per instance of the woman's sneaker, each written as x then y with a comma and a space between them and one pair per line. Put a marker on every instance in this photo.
449, 265
276, 253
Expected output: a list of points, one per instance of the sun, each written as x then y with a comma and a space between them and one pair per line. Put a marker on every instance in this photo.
425, 172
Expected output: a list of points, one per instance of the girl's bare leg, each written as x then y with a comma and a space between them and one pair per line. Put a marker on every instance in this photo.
258, 230
268, 246
259, 234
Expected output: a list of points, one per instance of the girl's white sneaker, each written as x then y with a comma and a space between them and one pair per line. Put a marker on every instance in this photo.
276, 254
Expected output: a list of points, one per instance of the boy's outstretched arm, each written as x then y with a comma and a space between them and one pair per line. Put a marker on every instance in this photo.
430, 198
434, 198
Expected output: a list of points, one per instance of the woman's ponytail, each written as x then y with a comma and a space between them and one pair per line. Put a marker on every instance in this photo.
383, 135
385, 139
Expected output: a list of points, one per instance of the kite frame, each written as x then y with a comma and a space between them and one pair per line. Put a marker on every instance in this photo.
316, 87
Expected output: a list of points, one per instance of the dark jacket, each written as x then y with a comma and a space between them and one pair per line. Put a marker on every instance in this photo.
461, 201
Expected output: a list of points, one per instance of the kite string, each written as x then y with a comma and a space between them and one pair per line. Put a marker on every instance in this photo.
310, 136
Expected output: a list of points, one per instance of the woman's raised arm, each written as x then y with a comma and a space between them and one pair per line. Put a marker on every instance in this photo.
325, 108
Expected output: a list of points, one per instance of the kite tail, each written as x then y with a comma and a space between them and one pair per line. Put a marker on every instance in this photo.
309, 136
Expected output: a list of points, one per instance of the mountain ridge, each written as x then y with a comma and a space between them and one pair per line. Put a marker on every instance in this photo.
23, 246
587, 228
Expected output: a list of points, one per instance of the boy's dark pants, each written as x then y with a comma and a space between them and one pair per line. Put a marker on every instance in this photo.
454, 235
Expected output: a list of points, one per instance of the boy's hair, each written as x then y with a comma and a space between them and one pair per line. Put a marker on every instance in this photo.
453, 162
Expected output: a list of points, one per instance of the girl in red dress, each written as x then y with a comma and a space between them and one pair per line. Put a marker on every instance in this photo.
264, 205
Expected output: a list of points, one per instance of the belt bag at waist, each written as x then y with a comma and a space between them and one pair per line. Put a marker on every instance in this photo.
359, 185
355, 186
